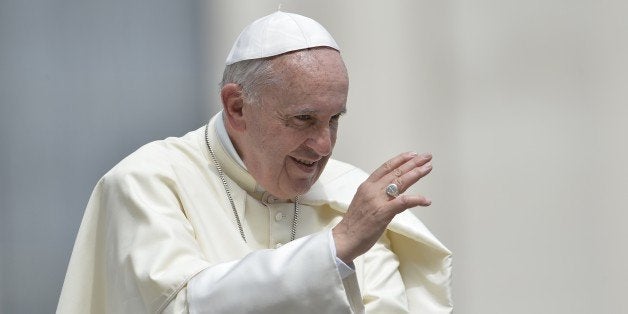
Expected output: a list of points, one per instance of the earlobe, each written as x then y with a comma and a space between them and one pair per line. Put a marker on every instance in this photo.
232, 104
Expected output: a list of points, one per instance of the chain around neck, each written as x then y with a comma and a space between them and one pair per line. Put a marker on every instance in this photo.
221, 174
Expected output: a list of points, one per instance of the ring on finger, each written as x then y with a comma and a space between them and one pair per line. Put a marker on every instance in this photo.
392, 190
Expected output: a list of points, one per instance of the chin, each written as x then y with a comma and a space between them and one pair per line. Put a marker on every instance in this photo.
305, 186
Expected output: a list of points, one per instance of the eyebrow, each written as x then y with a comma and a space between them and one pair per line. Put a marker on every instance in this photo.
309, 111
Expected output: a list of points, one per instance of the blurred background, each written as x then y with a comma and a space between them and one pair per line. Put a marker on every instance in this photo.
522, 103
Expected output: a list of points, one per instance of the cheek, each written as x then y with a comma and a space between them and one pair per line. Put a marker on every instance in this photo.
276, 142
291, 140
276, 146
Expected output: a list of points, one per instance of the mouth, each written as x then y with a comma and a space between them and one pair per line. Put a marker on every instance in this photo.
305, 165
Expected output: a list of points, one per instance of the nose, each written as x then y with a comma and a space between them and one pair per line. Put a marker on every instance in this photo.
322, 141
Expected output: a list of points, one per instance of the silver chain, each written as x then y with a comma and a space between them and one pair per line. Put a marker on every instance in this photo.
295, 219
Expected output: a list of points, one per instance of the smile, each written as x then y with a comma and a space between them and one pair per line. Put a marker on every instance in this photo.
304, 162
305, 165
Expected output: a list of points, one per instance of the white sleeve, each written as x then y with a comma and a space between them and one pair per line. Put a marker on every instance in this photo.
343, 269
299, 277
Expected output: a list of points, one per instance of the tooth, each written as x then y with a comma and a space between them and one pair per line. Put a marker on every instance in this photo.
309, 163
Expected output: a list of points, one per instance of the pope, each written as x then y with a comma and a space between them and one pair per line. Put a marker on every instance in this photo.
249, 213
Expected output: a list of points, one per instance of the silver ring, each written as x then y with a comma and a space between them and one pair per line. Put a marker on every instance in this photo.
392, 190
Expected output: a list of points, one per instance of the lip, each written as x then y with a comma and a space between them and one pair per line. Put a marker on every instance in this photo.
305, 168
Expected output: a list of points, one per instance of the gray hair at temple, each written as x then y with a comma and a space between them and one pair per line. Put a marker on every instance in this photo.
252, 76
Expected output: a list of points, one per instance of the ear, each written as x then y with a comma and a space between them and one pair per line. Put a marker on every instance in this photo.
232, 104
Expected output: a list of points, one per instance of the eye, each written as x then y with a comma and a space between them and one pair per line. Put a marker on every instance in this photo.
334, 120
304, 117
301, 121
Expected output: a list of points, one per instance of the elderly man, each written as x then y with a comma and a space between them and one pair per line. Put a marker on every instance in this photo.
248, 214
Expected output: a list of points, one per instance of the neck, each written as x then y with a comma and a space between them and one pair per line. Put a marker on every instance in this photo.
224, 132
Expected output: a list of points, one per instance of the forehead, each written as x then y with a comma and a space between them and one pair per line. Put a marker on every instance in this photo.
310, 80
318, 62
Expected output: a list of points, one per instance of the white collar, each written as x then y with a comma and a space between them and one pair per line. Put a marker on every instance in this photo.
223, 136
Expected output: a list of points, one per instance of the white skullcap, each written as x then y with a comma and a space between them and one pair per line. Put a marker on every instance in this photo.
279, 33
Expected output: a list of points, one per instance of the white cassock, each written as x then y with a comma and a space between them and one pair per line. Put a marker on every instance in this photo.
159, 235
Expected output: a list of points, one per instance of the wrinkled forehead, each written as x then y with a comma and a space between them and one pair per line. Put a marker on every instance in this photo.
313, 80
319, 63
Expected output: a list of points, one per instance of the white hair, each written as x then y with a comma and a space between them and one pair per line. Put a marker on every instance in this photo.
252, 76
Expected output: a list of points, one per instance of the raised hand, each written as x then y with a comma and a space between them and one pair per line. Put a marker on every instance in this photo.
372, 208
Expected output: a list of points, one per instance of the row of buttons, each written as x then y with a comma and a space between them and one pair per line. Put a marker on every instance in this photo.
269, 199
279, 217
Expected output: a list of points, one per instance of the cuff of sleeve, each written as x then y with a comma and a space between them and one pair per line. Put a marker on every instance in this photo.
344, 270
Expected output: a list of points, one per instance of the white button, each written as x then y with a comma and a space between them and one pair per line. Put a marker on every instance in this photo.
271, 199
268, 199
278, 245
279, 216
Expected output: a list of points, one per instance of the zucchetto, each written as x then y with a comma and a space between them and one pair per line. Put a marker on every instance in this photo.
279, 33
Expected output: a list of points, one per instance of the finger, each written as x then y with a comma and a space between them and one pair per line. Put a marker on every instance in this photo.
390, 165
407, 180
404, 202
410, 172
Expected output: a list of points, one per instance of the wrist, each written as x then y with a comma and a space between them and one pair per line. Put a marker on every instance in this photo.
342, 249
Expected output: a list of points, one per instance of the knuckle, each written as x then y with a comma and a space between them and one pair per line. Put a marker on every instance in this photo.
362, 189
399, 182
362, 186
418, 172
417, 162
